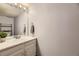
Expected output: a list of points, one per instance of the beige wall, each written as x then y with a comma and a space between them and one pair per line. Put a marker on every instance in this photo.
57, 28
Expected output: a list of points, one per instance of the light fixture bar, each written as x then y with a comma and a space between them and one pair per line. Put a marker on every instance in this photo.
19, 6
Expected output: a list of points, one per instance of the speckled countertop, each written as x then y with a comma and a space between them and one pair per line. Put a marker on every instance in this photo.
13, 42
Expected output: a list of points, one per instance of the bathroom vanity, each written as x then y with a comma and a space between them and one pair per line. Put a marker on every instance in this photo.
24, 46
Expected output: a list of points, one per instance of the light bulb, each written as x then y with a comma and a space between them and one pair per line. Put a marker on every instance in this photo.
20, 6
24, 8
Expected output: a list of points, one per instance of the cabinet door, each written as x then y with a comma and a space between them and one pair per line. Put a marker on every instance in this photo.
12, 50
30, 48
18, 53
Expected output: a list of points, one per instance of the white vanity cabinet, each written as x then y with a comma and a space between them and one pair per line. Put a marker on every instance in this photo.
27, 48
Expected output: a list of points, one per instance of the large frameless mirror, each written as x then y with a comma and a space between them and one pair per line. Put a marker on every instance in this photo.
14, 18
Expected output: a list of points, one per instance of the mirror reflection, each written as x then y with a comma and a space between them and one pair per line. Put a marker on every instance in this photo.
14, 18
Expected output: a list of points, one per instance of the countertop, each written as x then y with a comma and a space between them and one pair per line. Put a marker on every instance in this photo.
10, 42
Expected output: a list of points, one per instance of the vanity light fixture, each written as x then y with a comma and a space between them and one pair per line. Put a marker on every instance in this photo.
23, 6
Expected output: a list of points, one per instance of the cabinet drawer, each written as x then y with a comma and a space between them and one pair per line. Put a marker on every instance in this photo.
10, 51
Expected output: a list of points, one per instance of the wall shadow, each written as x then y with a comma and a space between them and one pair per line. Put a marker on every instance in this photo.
38, 52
